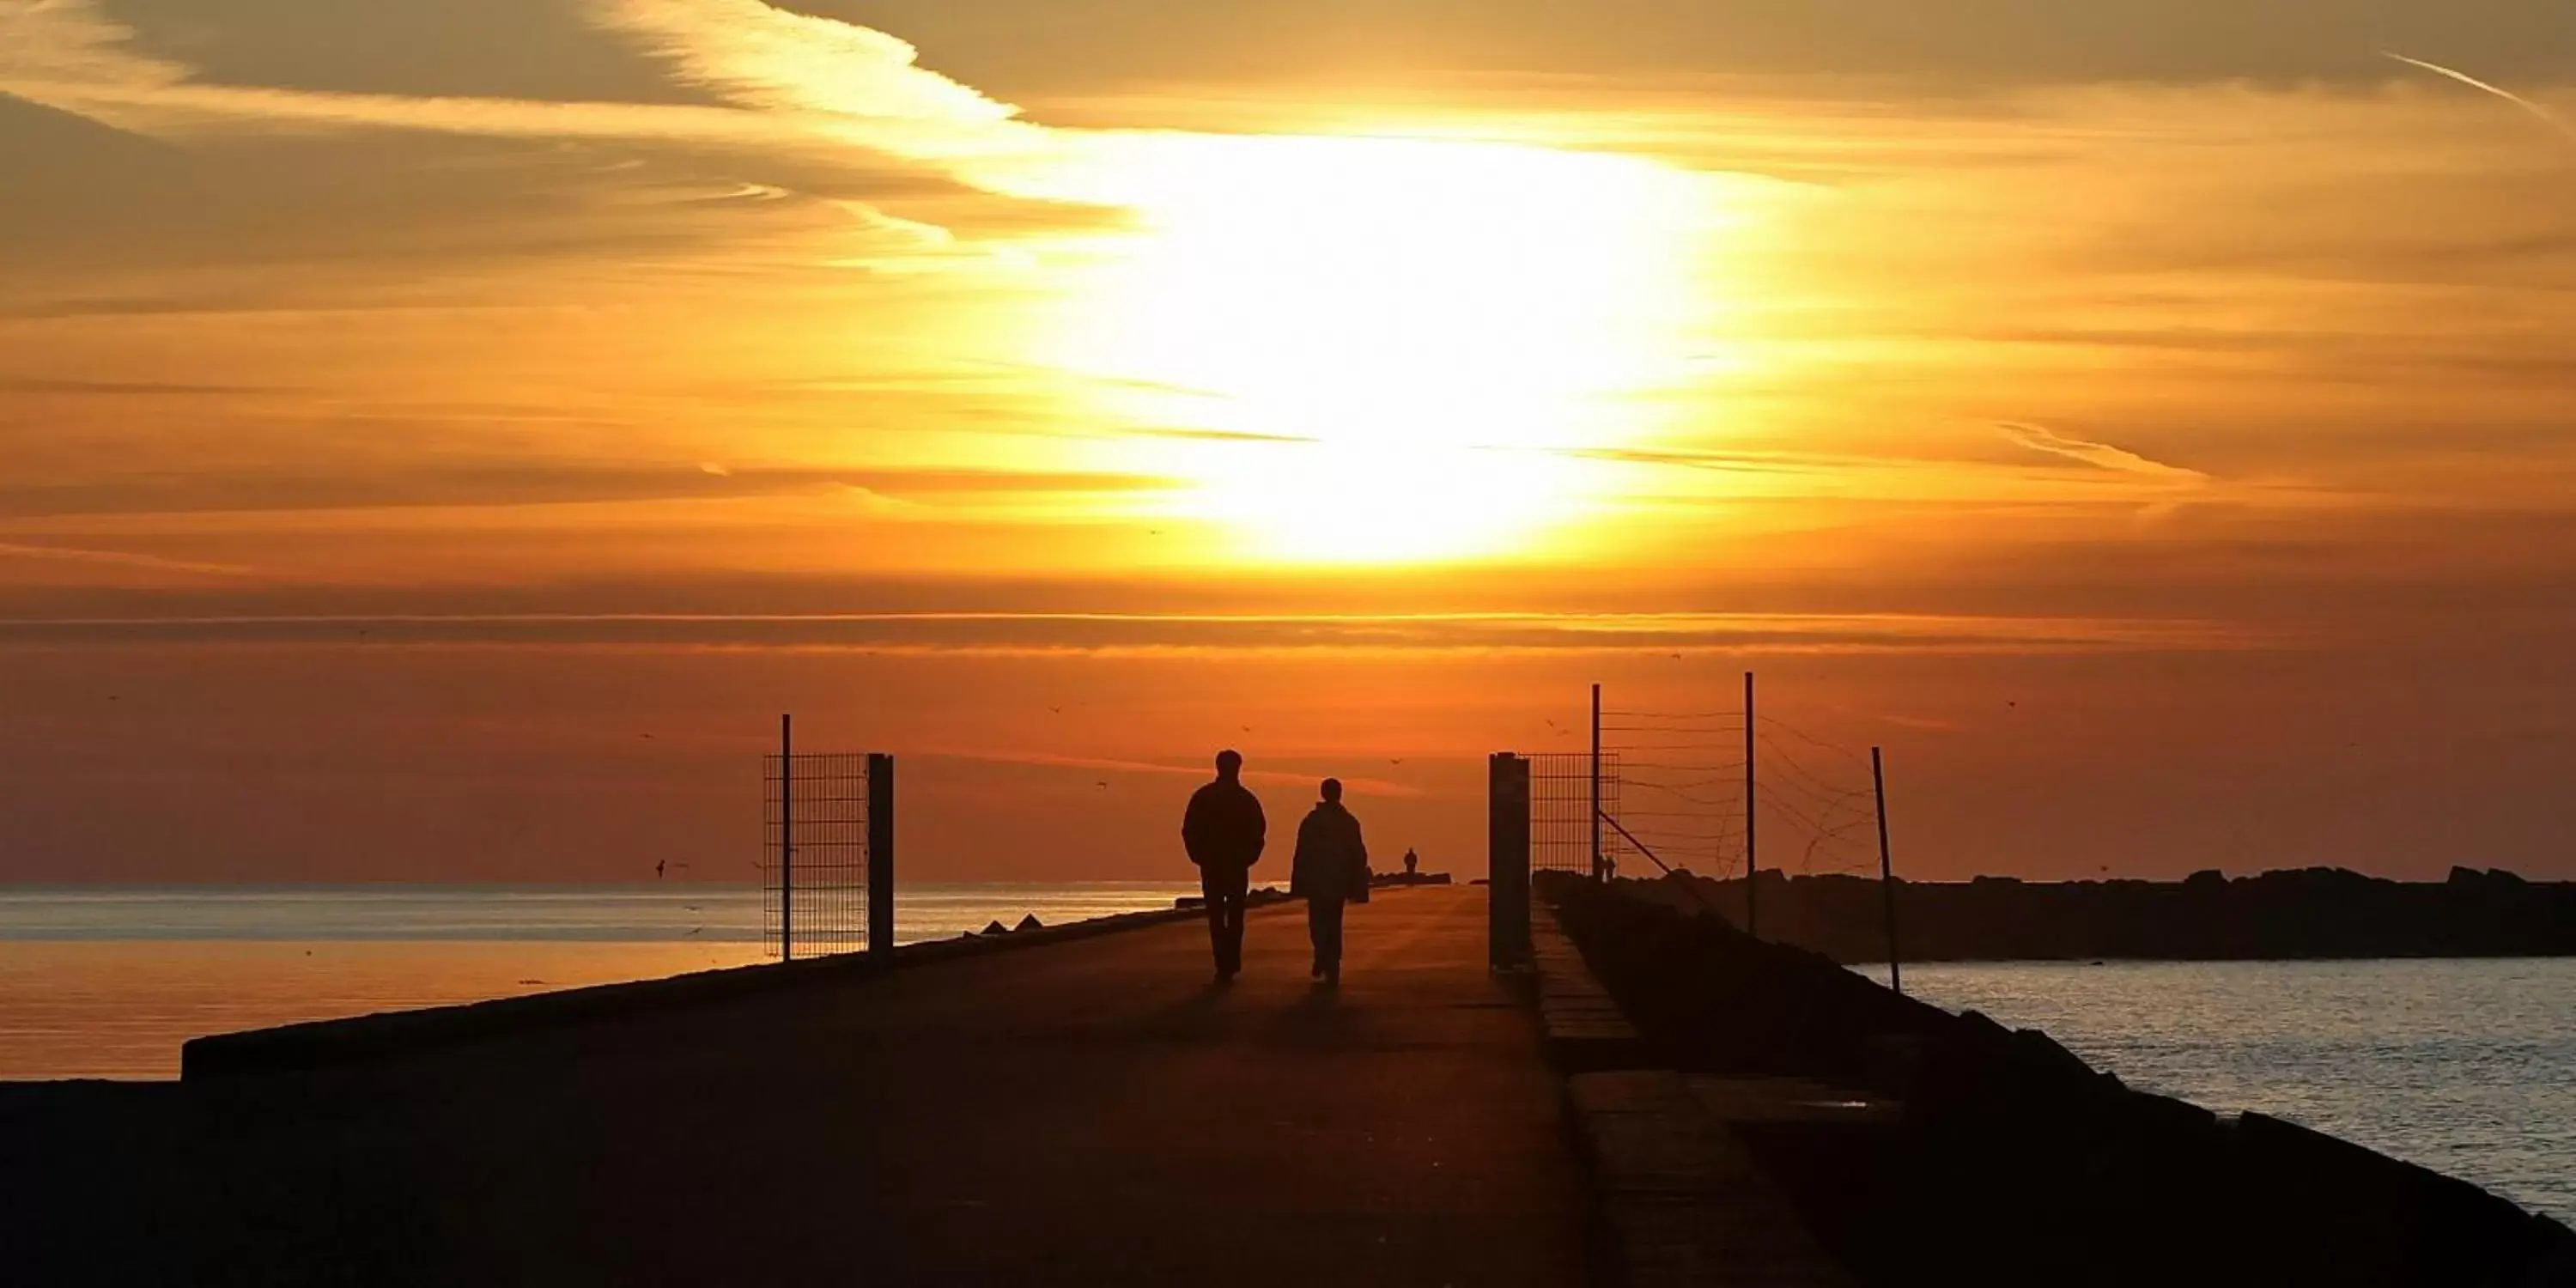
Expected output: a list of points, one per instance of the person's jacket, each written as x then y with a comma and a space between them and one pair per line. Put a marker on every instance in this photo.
1332, 860
1223, 828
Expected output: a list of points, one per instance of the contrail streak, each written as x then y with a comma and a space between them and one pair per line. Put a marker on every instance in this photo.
2547, 117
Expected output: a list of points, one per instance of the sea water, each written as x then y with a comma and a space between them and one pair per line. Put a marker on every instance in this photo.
2465, 1066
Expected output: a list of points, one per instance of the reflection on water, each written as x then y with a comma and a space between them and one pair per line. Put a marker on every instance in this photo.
105, 1009
2462, 1066
107, 981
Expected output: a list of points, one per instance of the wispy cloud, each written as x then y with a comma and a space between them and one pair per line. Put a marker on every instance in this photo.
1217, 435
155, 107
812, 95
752, 52
69, 42
1723, 461
69, 55
124, 559
2546, 116
135, 388
358, 486
2101, 456
1019, 634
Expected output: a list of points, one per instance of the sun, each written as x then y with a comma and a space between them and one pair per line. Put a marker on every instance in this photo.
1380, 349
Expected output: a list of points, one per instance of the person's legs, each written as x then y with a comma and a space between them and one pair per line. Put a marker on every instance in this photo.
1315, 932
1234, 927
1212, 886
1224, 894
1324, 916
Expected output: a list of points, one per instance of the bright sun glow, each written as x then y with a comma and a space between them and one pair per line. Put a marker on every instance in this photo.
1386, 349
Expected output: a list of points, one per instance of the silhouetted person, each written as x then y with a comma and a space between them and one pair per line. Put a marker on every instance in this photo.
1412, 861
1224, 832
1331, 869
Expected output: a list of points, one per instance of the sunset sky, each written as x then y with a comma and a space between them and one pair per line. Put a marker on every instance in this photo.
438, 439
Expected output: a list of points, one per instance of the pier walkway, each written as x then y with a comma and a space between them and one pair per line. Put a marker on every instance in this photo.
1091, 1112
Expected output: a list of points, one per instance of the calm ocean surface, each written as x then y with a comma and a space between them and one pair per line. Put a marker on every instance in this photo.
2467, 1067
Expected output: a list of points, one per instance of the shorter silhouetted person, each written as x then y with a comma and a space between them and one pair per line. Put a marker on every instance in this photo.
1224, 831
1412, 861
1331, 869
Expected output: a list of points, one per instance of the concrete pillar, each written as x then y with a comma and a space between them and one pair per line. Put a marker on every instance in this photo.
1507, 860
880, 852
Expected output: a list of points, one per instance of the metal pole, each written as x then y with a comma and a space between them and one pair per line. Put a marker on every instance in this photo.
1752, 868
1886, 870
1598, 872
786, 839
880, 852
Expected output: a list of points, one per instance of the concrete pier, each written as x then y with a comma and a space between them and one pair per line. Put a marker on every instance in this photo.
1657, 1100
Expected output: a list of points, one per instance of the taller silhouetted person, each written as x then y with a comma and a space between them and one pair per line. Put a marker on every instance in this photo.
1224, 832
1331, 869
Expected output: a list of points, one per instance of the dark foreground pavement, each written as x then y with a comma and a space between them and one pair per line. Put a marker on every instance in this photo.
1092, 1112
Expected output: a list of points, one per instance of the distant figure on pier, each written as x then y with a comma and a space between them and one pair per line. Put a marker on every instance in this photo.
1412, 861
1331, 868
1224, 831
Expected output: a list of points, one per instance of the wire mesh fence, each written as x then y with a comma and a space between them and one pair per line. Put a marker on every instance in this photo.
1818, 799
1684, 789
1682, 803
814, 853
1561, 830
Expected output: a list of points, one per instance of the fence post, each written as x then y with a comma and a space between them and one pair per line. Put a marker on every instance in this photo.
1752, 865
880, 852
786, 838
1507, 860
1886, 869
1599, 868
